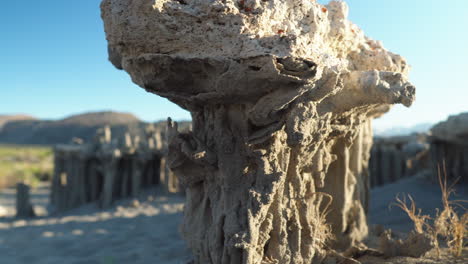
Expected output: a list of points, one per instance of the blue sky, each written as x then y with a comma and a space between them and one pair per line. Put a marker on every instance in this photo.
54, 59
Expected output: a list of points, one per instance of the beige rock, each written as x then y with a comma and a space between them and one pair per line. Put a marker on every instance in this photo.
282, 94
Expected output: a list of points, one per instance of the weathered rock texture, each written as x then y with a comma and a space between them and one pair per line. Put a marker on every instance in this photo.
394, 158
449, 147
107, 170
415, 245
282, 94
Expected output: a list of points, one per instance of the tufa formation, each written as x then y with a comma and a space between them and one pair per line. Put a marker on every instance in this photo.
449, 148
24, 208
108, 169
282, 94
397, 157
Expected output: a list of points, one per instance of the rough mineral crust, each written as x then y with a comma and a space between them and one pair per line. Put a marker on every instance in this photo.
282, 94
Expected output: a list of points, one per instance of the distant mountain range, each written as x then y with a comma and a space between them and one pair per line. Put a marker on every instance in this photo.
6, 118
399, 131
22, 129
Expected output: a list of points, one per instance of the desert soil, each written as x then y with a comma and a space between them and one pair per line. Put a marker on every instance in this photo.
130, 232
147, 231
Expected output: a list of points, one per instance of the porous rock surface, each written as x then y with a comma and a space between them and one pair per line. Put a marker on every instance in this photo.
282, 94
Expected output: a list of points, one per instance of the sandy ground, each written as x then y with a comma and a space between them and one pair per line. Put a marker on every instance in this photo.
126, 233
147, 231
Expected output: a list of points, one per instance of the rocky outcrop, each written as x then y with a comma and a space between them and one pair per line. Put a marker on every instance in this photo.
394, 158
282, 94
24, 208
107, 170
449, 147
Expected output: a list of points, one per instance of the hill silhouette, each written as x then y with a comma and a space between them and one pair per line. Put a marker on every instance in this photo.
84, 126
7, 118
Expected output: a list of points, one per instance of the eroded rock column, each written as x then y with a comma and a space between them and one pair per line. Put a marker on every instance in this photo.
24, 208
449, 148
282, 94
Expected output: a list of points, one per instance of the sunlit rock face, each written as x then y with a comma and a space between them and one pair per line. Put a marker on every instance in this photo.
282, 94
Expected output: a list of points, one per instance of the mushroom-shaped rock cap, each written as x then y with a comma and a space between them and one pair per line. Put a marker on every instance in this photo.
454, 129
282, 93
198, 52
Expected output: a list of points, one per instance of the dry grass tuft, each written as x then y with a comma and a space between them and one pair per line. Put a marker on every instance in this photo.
419, 220
459, 234
447, 223
322, 232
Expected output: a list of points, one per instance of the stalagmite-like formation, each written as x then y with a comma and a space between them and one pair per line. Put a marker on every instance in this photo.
24, 208
107, 170
394, 158
282, 94
449, 147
